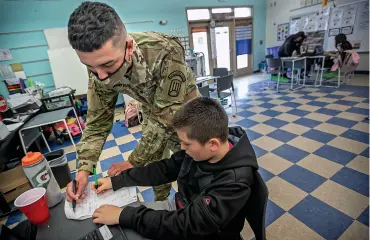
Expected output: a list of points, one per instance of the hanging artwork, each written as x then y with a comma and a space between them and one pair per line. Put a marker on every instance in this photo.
282, 31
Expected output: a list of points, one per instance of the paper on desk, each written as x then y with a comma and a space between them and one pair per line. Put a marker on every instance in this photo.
92, 201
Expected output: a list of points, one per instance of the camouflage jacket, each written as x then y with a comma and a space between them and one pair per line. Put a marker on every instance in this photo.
158, 78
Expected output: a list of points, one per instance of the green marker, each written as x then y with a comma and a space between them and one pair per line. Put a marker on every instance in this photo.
96, 179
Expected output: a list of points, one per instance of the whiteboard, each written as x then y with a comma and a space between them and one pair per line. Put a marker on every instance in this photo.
353, 20
68, 70
66, 67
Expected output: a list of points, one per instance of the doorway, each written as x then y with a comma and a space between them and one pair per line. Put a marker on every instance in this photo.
224, 39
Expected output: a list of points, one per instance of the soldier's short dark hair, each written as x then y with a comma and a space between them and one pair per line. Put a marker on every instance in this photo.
203, 118
92, 24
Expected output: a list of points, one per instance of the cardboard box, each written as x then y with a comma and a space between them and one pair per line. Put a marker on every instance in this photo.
13, 183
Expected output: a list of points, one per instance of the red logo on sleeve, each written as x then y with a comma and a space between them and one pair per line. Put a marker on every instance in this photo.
207, 200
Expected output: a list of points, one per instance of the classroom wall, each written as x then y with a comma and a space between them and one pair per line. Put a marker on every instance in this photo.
33, 15
280, 13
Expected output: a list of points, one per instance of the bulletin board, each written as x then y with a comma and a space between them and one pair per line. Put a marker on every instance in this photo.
353, 21
282, 32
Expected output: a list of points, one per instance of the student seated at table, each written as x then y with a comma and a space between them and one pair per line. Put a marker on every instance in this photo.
215, 171
347, 58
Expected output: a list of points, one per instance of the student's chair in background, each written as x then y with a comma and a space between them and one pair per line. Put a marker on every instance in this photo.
224, 84
274, 66
204, 91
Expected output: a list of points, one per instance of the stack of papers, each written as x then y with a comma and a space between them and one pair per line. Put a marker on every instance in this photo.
92, 201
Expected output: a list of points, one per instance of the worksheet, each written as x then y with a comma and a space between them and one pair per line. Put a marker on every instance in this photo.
92, 201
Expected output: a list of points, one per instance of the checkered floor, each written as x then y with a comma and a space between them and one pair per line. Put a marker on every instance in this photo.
313, 148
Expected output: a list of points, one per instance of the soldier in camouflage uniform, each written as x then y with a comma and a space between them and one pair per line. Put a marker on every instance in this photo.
150, 68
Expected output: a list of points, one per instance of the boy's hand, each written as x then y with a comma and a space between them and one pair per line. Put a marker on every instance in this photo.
107, 214
103, 183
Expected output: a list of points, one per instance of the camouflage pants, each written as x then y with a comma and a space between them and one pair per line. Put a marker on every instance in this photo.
156, 144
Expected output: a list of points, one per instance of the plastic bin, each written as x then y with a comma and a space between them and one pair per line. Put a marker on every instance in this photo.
59, 166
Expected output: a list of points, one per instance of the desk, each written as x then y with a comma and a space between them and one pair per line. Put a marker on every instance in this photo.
61, 228
297, 60
47, 119
200, 80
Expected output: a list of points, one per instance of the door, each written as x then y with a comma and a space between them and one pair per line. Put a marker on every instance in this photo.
200, 42
224, 45
244, 45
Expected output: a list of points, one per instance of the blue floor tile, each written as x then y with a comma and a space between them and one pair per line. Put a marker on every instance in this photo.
298, 112
309, 97
148, 195
291, 104
109, 144
119, 130
247, 123
302, 178
264, 99
105, 164
271, 113
365, 153
246, 114
346, 103
352, 179
273, 212
307, 122
274, 122
285, 98
328, 111
290, 153
245, 106
335, 154
319, 136
172, 194
317, 104
342, 122
356, 135
364, 217
252, 135
282, 135
127, 146
266, 175
362, 111
322, 218
259, 151
334, 96
267, 105
71, 156
138, 135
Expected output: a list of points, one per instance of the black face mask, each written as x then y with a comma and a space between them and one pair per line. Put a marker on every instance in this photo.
111, 74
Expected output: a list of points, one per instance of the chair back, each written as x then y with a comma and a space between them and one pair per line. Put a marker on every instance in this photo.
256, 207
225, 83
204, 91
273, 63
220, 72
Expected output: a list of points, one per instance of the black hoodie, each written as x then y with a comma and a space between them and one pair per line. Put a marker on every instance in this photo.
212, 197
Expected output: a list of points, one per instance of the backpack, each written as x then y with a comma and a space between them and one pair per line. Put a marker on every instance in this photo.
349, 63
133, 116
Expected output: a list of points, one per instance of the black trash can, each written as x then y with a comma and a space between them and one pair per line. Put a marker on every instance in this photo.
59, 166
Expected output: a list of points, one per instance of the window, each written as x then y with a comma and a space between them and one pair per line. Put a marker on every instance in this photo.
243, 12
198, 14
221, 10
242, 61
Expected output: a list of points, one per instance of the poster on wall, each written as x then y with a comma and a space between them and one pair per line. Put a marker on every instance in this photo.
334, 32
294, 26
347, 30
302, 3
308, 2
363, 16
243, 36
336, 17
349, 15
282, 31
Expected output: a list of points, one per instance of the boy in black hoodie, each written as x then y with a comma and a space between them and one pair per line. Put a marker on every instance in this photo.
214, 171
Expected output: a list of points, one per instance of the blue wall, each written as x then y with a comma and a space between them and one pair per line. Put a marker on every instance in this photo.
39, 15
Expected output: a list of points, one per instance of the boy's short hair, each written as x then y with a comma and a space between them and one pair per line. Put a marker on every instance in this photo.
203, 118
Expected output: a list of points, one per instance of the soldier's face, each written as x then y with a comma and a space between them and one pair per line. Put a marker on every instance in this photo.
196, 150
107, 60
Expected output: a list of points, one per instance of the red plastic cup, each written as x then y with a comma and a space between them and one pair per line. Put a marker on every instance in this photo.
34, 205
